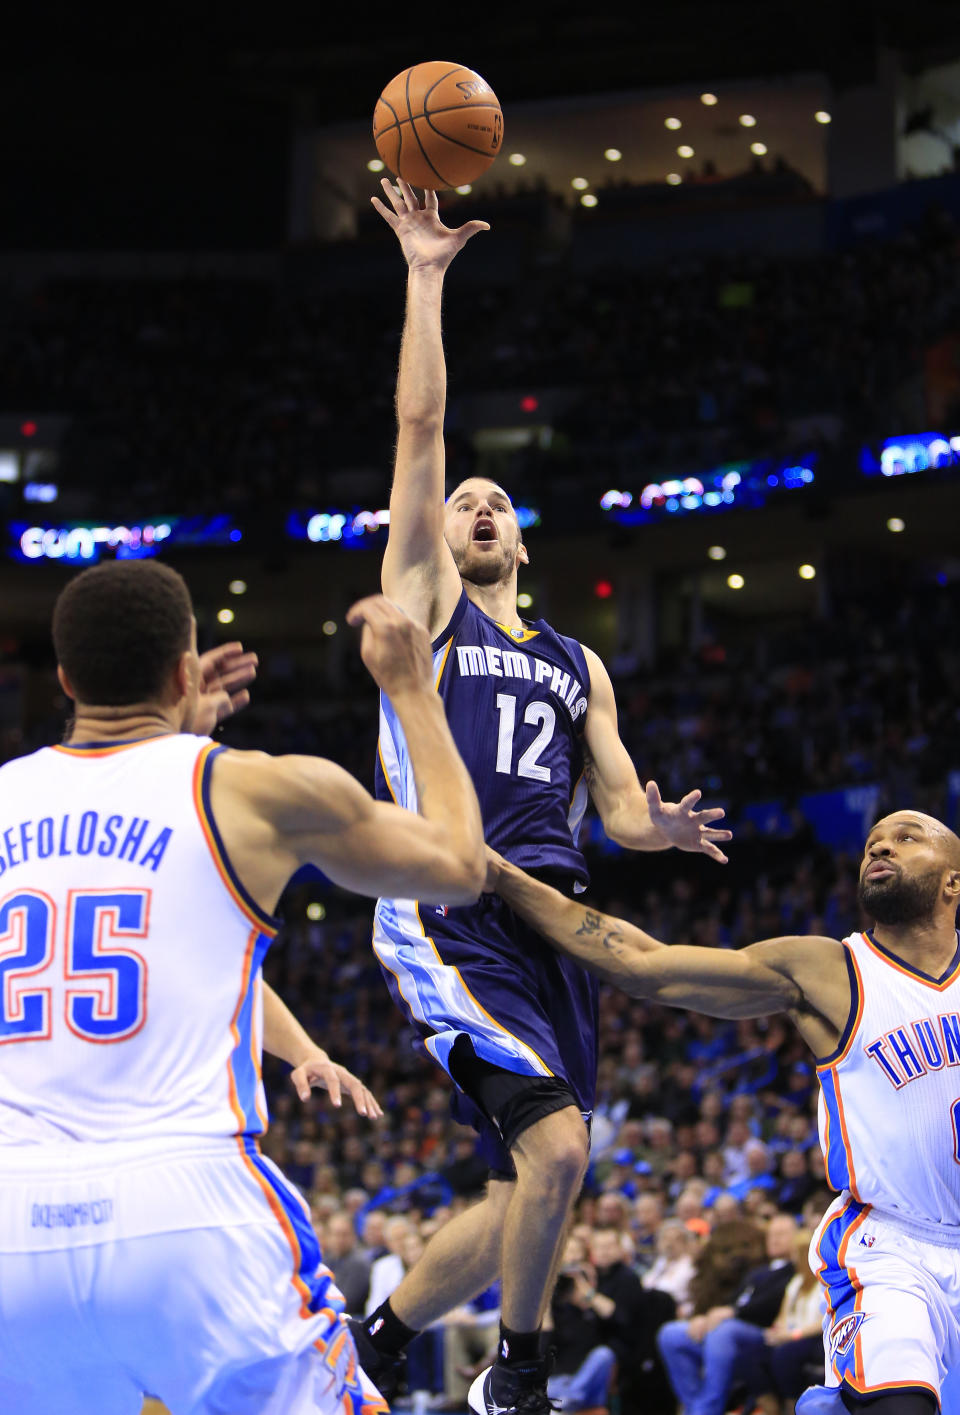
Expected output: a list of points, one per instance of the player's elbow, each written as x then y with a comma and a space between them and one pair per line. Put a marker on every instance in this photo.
459, 864
468, 873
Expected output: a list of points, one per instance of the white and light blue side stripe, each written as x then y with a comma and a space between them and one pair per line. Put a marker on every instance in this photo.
437, 996
393, 746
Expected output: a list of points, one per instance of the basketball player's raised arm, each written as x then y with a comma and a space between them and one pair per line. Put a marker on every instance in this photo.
418, 569
636, 818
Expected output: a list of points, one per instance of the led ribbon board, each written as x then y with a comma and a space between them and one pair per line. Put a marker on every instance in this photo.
86, 542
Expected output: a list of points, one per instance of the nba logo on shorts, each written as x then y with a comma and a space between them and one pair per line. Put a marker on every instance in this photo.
843, 1333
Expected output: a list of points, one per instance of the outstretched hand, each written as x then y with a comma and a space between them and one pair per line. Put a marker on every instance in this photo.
320, 1073
426, 242
225, 673
685, 827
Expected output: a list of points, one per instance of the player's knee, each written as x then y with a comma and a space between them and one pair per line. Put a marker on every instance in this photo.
554, 1152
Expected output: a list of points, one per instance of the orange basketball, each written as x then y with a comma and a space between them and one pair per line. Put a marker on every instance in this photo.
438, 125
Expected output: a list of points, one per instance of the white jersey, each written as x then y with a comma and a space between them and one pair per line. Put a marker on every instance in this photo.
130, 991
890, 1094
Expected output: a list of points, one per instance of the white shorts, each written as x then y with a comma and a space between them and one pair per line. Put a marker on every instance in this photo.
893, 1304
195, 1278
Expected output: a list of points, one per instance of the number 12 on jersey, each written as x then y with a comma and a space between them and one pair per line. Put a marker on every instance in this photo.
535, 714
105, 998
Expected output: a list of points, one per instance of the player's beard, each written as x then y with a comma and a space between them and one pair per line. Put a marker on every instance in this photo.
900, 899
484, 569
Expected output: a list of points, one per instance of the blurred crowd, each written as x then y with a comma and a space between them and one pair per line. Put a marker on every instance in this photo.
201, 394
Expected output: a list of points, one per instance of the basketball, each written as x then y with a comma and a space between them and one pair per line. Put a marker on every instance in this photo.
438, 125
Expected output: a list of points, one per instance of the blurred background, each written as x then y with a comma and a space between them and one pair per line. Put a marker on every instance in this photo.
711, 346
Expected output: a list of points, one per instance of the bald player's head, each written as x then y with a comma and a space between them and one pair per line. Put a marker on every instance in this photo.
910, 870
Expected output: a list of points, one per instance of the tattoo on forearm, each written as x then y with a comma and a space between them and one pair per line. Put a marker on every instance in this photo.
589, 767
610, 939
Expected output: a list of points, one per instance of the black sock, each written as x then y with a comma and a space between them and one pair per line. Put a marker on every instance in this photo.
518, 1348
385, 1329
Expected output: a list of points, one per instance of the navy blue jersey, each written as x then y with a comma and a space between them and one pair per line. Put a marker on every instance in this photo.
516, 702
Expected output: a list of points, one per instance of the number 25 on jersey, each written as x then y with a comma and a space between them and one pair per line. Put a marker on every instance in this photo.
106, 994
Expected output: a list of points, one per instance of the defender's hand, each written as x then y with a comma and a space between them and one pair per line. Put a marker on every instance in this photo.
395, 649
320, 1073
686, 828
426, 242
225, 673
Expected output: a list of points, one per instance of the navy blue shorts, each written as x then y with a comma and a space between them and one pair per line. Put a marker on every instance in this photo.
481, 972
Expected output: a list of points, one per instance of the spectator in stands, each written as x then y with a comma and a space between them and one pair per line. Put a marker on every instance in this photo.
707, 1354
647, 1218
793, 1358
583, 1316
673, 1268
341, 1253
387, 1271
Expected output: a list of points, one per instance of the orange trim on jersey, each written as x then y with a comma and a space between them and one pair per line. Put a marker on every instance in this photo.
256, 1049
235, 1106
443, 664
93, 751
499, 1025
905, 968
208, 835
279, 1214
842, 1056
386, 774
845, 1139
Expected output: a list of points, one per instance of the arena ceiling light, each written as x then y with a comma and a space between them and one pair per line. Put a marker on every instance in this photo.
896, 525
237, 587
672, 123
613, 154
375, 165
588, 199
708, 99
807, 572
758, 149
517, 159
524, 600
684, 150
225, 616
580, 183
747, 120
735, 582
674, 179
821, 116
463, 191
717, 552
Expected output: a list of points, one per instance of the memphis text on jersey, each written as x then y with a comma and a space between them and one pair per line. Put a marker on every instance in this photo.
135, 839
486, 661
